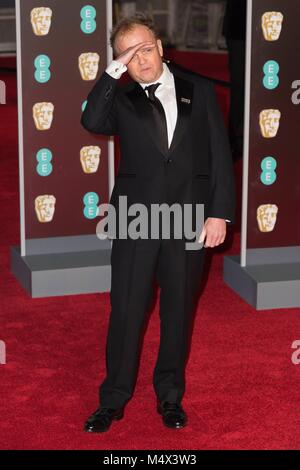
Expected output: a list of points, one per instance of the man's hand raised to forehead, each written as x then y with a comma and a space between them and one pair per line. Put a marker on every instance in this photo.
128, 55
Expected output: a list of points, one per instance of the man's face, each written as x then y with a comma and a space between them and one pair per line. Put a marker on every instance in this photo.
146, 66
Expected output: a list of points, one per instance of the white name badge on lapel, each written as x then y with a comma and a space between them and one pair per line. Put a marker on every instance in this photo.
185, 100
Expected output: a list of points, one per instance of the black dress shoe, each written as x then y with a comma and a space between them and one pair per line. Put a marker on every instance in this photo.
101, 420
173, 414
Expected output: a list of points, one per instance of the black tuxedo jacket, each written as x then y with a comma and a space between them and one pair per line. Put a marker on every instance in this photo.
197, 168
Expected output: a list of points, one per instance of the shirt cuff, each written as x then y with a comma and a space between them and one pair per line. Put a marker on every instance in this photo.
116, 69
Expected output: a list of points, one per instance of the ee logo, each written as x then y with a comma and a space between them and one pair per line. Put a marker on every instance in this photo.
83, 106
268, 175
90, 201
88, 24
44, 167
271, 79
42, 73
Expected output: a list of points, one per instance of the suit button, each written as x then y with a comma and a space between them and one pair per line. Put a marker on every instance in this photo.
169, 160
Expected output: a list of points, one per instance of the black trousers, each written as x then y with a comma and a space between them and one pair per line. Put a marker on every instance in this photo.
135, 264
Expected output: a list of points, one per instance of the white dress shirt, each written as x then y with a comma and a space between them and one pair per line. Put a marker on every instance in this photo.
165, 92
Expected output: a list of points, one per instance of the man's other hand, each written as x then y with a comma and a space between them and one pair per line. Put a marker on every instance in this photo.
213, 232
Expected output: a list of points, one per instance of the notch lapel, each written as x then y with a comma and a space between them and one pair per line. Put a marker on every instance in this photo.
144, 111
184, 97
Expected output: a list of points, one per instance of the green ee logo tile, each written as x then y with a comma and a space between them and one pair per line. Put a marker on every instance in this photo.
271, 71
83, 106
268, 175
42, 73
88, 24
44, 167
90, 201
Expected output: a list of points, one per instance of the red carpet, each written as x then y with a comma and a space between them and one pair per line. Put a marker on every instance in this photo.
242, 388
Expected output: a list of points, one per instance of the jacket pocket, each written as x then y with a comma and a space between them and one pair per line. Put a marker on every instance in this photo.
126, 175
202, 176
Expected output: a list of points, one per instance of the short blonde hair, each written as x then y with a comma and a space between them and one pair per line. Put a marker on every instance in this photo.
128, 23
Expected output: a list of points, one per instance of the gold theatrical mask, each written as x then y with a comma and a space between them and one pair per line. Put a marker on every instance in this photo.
45, 207
269, 120
90, 158
266, 217
88, 65
41, 20
43, 115
271, 24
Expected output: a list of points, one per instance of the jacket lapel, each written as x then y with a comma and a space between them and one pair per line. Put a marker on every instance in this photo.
144, 111
184, 97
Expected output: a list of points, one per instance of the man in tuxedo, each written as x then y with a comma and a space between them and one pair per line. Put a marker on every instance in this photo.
174, 149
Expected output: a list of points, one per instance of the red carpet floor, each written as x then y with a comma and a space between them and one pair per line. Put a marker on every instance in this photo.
242, 388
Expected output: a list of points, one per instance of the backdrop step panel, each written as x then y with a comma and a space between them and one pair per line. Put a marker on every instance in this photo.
48, 245
49, 275
268, 286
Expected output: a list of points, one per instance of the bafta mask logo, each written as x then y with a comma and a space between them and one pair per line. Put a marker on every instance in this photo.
266, 217
43, 115
88, 65
269, 120
41, 20
90, 158
271, 24
45, 207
